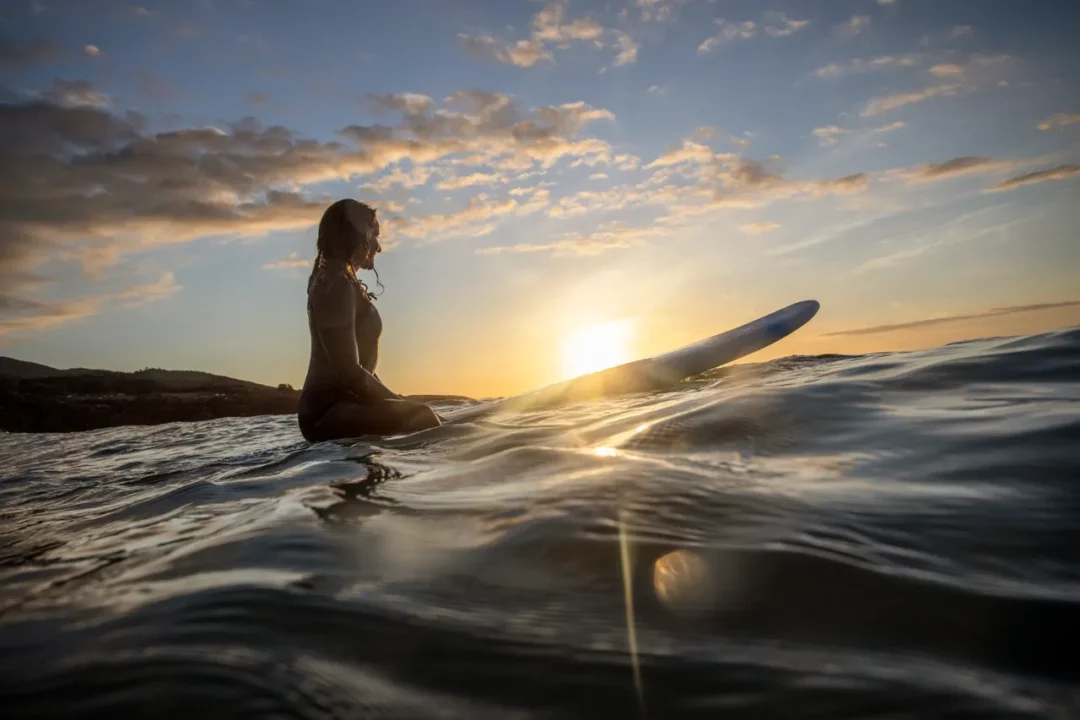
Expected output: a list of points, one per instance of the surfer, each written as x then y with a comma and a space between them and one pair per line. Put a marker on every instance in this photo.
342, 395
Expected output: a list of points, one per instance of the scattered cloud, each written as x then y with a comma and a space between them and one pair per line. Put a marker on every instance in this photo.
473, 220
135, 295
550, 29
35, 316
886, 2
139, 11
773, 24
49, 315
658, 10
928, 322
1058, 120
853, 26
14, 54
962, 31
657, 90
690, 150
548, 25
598, 176
292, 260
859, 65
628, 49
91, 51
829, 135
880, 105
759, 227
88, 184
947, 70
610, 236
1061, 172
471, 180
780, 25
75, 93
957, 167
728, 31
523, 53
890, 127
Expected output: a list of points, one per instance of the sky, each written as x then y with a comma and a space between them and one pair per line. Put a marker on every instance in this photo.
552, 178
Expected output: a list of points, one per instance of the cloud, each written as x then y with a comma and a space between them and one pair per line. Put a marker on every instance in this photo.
628, 50
1061, 172
523, 53
91, 51
658, 10
956, 167
1058, 120
780, 25
550, 29
962, 31
37, 51
292, 260
548, 25
692, 180
47, 316
728, 31
34, 316
689, 151
886, 2
828, 135
75, 93
885, 104
929, 322
139, 11
853, 26
473, 220
946, 70
610, 236
759, 227
471, 180
258, 99
890, 127
135, 295
859, 65
84, 183
598, 176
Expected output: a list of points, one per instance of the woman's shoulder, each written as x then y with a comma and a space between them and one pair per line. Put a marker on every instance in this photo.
332, 282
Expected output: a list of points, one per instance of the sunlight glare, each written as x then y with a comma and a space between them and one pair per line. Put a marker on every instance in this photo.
597, 347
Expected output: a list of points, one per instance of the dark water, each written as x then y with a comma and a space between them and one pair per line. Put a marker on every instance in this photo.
886, 536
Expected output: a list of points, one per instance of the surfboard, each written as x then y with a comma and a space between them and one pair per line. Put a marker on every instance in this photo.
658, 372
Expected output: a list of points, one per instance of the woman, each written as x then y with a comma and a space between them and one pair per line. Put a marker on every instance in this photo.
342, 396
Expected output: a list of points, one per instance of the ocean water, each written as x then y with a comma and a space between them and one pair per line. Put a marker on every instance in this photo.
884, 536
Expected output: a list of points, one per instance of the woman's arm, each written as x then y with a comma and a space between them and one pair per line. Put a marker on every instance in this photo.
334, 312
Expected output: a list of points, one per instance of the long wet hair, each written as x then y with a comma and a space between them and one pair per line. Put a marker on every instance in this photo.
338, 238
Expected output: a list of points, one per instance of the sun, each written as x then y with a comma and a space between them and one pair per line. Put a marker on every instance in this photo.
597, 347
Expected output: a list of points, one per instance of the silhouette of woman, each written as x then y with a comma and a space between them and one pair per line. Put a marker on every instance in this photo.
342, 396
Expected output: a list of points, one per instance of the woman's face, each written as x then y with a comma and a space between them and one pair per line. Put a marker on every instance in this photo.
366, 243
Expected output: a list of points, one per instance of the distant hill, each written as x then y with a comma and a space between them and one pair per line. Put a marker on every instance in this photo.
10, 367
175, 379
39, 398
